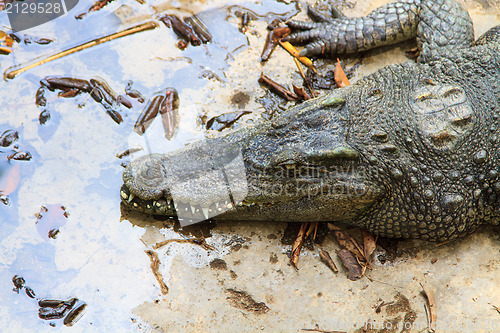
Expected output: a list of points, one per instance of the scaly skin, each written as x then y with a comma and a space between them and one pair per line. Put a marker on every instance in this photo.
410, 151
440, 26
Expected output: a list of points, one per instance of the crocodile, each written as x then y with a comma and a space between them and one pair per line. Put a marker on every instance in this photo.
410, 151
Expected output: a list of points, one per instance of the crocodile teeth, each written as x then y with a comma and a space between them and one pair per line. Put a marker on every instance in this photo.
217, 205
131, 197
205, 212
175, 205
193, 209
124, 195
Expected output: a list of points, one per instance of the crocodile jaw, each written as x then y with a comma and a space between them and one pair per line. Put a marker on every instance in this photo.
193, 184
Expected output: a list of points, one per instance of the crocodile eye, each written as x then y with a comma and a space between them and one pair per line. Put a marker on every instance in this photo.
289, 164
375, 95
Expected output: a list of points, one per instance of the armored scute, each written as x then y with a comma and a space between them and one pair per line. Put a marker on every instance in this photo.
409, 151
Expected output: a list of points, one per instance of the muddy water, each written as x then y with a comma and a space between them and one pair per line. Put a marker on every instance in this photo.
98, 255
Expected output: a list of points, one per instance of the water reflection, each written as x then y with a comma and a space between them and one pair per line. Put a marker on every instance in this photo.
95, 257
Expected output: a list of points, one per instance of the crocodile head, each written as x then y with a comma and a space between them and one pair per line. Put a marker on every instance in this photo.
409, 151
299, 167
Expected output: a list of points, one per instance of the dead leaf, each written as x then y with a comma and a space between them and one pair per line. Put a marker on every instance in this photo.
352, 265
300, 92
297, 245
225, 120
325, 256
340, 77
347, 242
369, 245
430, 308
272, 40
169, 112
277, 88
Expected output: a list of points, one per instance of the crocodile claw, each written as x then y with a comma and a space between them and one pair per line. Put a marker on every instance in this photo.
316, 35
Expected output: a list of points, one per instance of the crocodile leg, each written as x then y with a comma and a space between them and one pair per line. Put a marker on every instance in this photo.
438, 25
443, 27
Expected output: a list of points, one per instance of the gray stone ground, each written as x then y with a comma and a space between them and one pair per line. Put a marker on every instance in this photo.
245, 283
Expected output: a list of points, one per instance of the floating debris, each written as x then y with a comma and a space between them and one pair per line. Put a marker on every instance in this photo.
18, 283
13, 71
166, 103
133, 92
199, 28
8, 137
29, 292
44, 117
169, 112
245, 18
75, 315
128, 152
54, 308
36, 40
98, 89
181, 29
19, 156
95, 7
225, 120
50, 219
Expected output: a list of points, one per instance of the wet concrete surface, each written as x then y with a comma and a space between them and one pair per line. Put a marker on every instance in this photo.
244, 282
